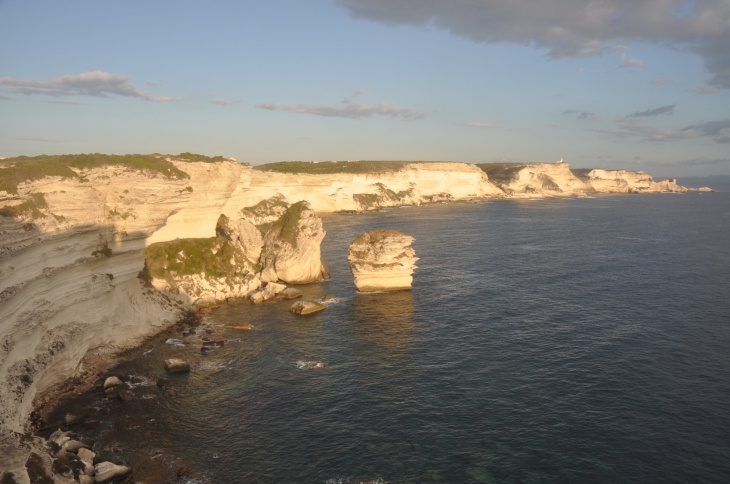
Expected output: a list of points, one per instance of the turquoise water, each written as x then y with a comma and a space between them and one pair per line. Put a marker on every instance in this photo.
546, 341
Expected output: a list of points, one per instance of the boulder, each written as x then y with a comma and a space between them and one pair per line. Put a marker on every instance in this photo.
109, 472
206, 301
289, 293
176, 365
306, 307
267, 293
328, 297
112, 381
86, 455
59, 438
292, 247
382, 260
84, 479
73, 446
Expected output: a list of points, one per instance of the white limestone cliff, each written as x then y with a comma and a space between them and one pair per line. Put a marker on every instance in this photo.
622, 181
382, 260
292, 247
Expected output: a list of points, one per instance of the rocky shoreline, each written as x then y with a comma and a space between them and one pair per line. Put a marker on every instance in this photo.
102, 258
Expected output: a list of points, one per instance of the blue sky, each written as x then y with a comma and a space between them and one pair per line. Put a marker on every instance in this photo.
462, 80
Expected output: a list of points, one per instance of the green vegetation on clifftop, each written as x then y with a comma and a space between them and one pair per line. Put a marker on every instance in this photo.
288, 224
14, 171
333, 167
211, 256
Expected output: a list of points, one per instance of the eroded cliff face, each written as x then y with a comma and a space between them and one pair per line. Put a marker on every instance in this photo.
413, 184
292, 247
70, 258
622, 181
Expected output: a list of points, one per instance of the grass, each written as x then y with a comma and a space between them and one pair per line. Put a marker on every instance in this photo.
288, 224
195, 157
501, 170
211, 256
266, 207
14, 171
29, 207
354, 167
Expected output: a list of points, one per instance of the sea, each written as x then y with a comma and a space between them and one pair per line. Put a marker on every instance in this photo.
582, 340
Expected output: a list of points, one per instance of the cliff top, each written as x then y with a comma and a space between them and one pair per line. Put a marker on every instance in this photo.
19, 169
332, 167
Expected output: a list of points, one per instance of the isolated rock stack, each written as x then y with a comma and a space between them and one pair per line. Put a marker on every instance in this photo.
382, 260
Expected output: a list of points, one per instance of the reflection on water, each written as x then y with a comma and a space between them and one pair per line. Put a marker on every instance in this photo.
383, 322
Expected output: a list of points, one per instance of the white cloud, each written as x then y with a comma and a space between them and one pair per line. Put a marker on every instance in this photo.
153, 83
97, 83
348, 108
630, 62
66, 102
480, 125
223, 102
575, 28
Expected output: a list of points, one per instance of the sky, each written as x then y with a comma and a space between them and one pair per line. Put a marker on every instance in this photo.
634, 84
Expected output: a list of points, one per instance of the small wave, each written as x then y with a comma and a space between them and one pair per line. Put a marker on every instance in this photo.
174, 342
146, 353
351, 480
309, 365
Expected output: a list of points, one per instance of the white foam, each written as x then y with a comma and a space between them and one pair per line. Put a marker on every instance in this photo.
174, 342
309, 365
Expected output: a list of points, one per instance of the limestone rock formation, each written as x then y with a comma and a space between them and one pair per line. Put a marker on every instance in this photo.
519, 180
243, 235
266, 211
292, 247
382, 260
188, 269
622, 181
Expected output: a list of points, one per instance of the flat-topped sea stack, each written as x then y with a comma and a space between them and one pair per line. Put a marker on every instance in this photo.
382, 260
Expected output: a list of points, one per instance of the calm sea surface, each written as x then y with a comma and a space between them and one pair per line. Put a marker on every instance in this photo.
544, 341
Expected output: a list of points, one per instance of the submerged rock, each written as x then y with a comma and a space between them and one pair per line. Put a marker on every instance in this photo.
242, 326
109, 472
290, 293
176, 365
306, 307
112, 381
382, 260
292, 247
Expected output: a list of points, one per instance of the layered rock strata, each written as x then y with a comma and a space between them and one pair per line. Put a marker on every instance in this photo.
292, 247
382, 260
622, 181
